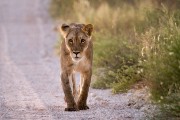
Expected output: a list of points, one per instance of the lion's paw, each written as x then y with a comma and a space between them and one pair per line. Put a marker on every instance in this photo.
71, 109
83, 107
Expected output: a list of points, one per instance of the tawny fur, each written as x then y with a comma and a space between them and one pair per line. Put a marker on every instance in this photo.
76, 55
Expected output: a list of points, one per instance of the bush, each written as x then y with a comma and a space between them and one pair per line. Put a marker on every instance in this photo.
161, 50
120, 60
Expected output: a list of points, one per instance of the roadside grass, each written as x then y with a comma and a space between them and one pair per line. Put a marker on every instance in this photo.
162, 66
116, 63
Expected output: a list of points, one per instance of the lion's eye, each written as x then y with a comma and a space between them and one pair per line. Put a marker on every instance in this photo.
70, 41
82, 40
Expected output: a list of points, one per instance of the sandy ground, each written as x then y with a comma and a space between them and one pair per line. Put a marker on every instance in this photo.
30, 76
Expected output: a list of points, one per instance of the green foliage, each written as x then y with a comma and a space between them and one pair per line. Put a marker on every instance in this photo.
162, 54
120, 58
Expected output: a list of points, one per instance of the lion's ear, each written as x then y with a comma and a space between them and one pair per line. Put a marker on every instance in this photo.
88, 29
63, 29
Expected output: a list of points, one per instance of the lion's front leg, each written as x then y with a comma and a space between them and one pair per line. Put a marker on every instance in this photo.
71, 105
75, 92
82, 101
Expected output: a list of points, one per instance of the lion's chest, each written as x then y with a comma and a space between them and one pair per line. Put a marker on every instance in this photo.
81, 65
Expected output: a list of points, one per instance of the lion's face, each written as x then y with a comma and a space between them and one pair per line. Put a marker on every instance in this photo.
77, 43
77, 38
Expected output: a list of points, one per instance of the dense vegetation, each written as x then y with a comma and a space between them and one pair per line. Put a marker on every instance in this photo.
134, 40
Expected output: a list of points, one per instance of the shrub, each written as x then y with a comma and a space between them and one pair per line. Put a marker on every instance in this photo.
120, 60
161, 50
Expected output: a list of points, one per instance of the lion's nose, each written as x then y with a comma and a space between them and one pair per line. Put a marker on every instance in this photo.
76, 52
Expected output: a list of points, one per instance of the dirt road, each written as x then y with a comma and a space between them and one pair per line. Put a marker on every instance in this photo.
29, 72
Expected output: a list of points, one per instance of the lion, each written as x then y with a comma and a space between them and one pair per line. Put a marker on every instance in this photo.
76, 55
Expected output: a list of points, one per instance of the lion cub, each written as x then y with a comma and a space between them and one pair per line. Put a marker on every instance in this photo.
76, 56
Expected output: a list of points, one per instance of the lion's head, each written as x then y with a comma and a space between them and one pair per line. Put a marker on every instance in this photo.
77, 38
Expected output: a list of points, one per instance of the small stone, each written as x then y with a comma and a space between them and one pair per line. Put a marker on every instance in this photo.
98, 98
93, 95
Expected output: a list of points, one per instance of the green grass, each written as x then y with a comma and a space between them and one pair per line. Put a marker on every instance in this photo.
162, 55
116, 62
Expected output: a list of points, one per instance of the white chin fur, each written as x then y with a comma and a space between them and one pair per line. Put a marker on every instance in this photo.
73, 57
76, 59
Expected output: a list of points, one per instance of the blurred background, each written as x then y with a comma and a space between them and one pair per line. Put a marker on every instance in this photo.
135, 41
136, 56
